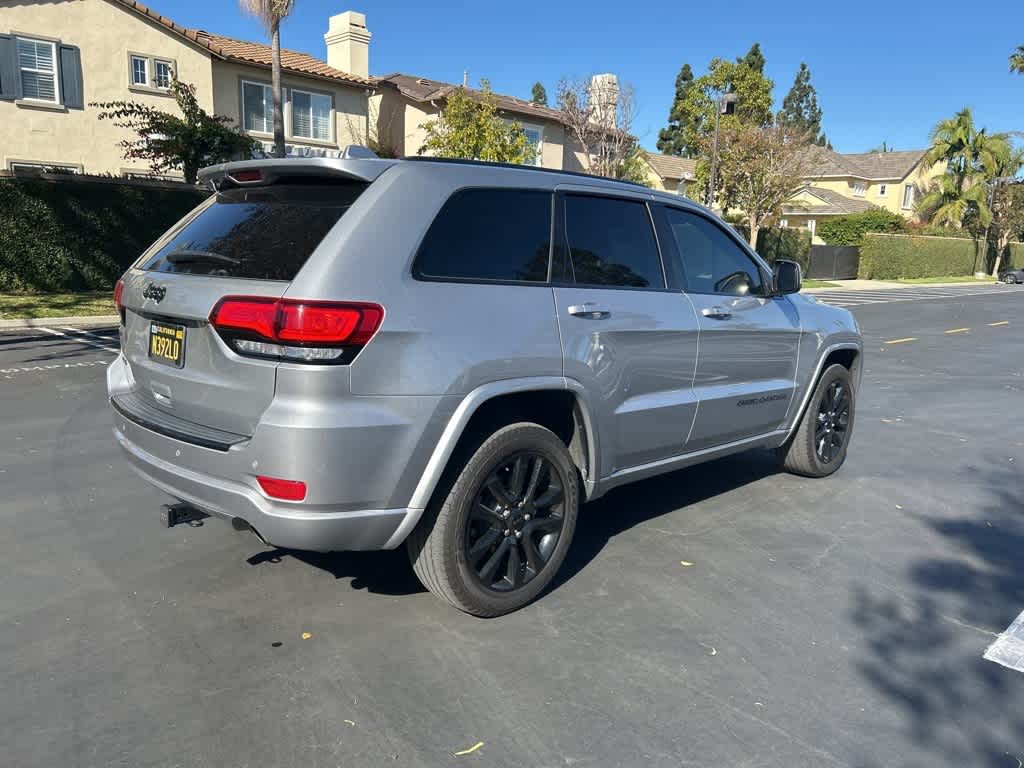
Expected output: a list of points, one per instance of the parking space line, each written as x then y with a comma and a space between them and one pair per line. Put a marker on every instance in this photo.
1001, 322
957, 330
1008, 649
82, 340
901, 341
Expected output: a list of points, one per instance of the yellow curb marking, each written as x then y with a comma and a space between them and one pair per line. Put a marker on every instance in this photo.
958, 330
902, 341
469, 751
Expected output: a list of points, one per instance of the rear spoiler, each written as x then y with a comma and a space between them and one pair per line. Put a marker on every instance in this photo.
247, 173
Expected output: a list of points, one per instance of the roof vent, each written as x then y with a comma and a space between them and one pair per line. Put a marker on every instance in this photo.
422, 81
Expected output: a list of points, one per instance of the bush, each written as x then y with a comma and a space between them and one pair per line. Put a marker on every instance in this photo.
75, 235
889, 257
780, 243
850, 229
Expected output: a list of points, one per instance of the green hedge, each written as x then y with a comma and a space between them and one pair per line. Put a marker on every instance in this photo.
75, 235
780, 243
889, 257
850, 229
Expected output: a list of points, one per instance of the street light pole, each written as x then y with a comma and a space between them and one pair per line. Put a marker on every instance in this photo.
725, 105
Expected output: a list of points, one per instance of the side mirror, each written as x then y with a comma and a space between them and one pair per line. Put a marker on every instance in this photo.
786, 277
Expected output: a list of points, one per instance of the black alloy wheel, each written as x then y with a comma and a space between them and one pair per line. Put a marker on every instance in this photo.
833, 422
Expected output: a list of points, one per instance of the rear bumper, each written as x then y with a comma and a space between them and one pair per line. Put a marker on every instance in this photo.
281, 526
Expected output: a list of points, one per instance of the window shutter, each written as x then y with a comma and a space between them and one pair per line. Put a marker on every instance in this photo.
71, 77
8, 72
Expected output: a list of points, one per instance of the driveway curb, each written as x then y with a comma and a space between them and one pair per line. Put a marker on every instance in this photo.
94, 321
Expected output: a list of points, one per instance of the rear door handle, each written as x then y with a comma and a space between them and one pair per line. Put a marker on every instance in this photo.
589, 311
717, 313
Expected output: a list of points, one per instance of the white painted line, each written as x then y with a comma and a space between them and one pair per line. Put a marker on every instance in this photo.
1008, 648
48, 367
81, 340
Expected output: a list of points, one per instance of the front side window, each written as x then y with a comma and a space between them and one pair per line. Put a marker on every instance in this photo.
489, 234
163, 73
311, 115
37, 69
257, 107
140, 70
908, 196
611, 242
712, 261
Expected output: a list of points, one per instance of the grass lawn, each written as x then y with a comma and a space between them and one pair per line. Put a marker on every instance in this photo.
818, 284
22, 305
948, 279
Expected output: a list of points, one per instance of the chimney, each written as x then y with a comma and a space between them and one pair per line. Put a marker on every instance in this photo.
604, 98
348, 43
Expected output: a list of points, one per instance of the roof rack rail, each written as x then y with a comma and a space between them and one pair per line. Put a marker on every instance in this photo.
516, 166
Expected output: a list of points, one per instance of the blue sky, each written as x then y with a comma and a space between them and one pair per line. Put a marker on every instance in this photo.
883, 70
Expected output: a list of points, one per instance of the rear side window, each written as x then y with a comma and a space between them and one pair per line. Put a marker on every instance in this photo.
262, 233
611, 242
489, 234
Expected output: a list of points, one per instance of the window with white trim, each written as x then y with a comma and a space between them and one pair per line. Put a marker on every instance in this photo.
257, 107
783, 223
908, 196
859, 189
311, 115
163, 73
37, 70
32, 169
535, 135
882, 189
140, 70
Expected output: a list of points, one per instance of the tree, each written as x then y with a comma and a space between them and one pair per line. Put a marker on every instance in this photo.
696, 113
754, 59
881, 148
800, 110
271, 13
1017, 60
470, 127
759, 168
958, 198
598, 116
539, 94
187, 142
1007, 218
670, 138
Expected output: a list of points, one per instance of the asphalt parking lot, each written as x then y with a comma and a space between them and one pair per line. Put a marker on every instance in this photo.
725, 615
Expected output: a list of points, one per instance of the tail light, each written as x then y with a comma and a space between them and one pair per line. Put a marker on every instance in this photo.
290, 329
288, 490
119, 298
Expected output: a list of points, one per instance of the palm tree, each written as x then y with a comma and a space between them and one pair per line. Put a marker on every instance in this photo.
1017, 60
272, 13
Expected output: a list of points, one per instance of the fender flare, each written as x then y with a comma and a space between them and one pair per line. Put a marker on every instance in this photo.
456, 426
818, 370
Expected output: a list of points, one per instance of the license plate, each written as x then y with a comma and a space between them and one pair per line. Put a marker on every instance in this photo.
167, 344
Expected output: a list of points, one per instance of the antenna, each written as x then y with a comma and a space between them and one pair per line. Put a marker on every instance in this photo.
465, 78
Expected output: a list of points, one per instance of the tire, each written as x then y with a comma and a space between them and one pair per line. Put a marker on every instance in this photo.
1010, 279
445, 548
806, 454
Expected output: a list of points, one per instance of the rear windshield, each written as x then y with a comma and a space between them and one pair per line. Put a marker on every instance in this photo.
263, 233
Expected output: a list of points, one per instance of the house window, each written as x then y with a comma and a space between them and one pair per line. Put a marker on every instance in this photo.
34, 169
535, 135
783, 223
882, 189
908, 196
37, 66
163, 73
859, 189
311, 115
257, 107
812, 226
140, 70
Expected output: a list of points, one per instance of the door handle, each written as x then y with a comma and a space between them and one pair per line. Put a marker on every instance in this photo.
588, 310
717, 313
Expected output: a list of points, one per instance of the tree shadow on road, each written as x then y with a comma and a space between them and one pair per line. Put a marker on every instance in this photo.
923, 651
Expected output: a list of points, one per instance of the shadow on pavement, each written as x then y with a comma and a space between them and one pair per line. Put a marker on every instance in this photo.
923, 651
383, 573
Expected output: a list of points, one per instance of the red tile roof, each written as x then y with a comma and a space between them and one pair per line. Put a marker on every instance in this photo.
230, 49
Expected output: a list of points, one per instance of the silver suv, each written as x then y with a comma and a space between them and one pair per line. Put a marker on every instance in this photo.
355, 354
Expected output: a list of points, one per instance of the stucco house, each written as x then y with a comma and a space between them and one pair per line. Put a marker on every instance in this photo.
669, 173
58, 56
838, 184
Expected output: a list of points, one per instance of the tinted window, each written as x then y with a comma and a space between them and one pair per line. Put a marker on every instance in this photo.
712, 261
611, 242
489, 234
265, 233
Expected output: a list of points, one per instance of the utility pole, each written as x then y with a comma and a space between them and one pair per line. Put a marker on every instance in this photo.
725, 105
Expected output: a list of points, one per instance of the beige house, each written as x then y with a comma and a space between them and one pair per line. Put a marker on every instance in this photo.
839, 184
669, 173
58, 56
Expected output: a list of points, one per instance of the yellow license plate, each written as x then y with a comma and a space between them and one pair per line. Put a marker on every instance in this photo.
167, 344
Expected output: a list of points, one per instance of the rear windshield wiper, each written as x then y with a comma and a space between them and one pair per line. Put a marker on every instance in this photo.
191, 257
